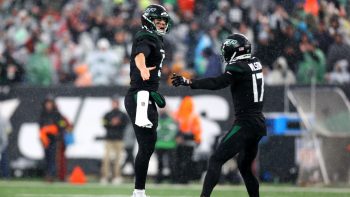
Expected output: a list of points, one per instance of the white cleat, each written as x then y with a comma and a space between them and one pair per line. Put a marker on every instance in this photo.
135, 194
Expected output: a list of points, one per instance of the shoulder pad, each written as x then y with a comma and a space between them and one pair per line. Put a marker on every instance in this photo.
255, 59
146, 35
234, 68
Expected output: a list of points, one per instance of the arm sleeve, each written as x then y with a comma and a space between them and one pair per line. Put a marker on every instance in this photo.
213, 83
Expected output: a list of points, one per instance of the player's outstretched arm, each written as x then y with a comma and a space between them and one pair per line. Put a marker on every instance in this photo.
212, 83
178, 80
140, 61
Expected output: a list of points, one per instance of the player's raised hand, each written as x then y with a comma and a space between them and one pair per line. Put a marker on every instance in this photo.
178, 80
145, 73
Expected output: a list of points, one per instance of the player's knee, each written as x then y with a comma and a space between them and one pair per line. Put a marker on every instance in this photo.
244, 168
215, 161
146, 150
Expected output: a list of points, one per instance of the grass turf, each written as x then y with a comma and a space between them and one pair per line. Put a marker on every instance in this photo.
42, 189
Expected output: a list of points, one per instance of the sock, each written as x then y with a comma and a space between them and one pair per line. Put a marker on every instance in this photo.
141, 119
139, 191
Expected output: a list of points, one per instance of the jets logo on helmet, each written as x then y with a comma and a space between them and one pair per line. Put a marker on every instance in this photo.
151, 13
236, 47
227, 43
148, 10
230, 42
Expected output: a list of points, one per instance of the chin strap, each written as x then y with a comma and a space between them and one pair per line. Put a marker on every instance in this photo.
141, 119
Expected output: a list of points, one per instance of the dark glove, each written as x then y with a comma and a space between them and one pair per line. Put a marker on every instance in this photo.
178, 80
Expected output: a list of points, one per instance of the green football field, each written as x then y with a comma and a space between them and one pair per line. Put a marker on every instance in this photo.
42, 189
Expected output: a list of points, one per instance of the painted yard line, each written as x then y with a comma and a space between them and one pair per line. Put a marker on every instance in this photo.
98, 186
283, 190
262, 188
87, 195
68, 195
307, 190
181, 187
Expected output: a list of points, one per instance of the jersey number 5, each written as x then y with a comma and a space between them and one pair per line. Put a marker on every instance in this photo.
258, 87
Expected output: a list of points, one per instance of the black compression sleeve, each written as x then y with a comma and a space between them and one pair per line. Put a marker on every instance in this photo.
213, 83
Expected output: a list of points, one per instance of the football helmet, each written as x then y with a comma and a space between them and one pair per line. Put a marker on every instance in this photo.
236, 47
155, 12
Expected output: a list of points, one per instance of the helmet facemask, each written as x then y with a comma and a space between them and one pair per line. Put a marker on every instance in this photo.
154, 28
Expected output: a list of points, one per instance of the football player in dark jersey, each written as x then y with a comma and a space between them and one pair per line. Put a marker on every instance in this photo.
140, 102
244, 74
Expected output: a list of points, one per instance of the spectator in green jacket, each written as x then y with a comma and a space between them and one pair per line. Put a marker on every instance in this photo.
313, 65
166, 144
39, 68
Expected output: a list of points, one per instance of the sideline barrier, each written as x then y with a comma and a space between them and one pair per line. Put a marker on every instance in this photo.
22, 105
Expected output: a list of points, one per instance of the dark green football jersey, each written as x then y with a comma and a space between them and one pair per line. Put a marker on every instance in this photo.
152, 47
247, 86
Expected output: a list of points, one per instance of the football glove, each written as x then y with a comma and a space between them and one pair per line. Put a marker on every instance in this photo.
178, 80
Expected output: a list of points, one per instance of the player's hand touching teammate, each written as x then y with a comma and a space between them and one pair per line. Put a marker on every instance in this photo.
178, 80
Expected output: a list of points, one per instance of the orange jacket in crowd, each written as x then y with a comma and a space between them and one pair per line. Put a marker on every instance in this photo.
188, 120
53, 129
46, 130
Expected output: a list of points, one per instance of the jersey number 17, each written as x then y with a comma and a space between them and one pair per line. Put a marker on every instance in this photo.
258, 86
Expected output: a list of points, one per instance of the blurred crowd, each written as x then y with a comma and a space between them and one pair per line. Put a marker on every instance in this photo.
87, 43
